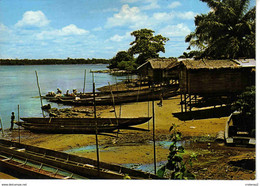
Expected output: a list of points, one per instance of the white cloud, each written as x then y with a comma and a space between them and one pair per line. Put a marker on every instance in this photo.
97, 28
65, 31
5, 33
175, 30
174, 4
3, 28
152, 4
163, 16
72, 30
186, 15
126, 16
129, 1
119, 38
33, 18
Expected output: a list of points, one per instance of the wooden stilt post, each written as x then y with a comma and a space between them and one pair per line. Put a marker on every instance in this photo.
19, 133
154, 149
181, 103
113, 100
39, 89
95, 116
2, 127
190, 101
120, 108
148, 112
138, 92
185, 102
84, 81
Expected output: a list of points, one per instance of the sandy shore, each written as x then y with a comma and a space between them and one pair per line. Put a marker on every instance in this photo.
163, 120
135, 146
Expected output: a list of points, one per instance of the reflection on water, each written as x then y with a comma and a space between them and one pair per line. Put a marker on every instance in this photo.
89, 148
18, 86
146, 167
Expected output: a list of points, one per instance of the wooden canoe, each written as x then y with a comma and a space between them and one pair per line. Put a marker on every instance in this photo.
81, 166
78, 125
119, 98
122, 122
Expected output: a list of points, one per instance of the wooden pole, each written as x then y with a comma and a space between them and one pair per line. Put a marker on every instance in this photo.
19, 133
113, 100
95, 116
39, 89
138, 93
84, 81
181, 103
154, 149
120, 108
2, 127
148, 112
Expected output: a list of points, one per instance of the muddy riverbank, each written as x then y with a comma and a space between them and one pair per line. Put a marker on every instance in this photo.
135, 148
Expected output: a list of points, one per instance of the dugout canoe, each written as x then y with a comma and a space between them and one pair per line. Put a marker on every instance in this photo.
120, 98
122, 122
79, 125
85, 167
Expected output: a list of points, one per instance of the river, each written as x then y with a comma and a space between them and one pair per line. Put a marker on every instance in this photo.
18, 86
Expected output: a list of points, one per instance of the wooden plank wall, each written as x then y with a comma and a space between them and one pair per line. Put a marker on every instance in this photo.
214, 81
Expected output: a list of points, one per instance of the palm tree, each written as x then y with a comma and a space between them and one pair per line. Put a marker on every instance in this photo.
227, 31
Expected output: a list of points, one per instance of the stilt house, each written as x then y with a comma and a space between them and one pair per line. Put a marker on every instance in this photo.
209, 78
155, 70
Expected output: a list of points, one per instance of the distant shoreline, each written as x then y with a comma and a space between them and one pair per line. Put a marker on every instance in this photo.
68, 61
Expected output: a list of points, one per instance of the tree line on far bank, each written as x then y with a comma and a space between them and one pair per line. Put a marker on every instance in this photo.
53, 61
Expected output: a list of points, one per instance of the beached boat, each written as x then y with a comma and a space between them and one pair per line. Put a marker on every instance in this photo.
121, 98
240, 130
124, 96
60, 164
79, 125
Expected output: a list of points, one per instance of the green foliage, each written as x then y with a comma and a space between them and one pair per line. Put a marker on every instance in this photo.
127, 65
175, 165
120, 56
246, 102
191, 54
227, 31
52, 61
146, 45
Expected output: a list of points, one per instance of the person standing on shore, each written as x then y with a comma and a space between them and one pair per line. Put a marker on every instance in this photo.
12, 121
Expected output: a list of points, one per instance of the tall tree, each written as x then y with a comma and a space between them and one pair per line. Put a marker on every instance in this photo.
227, 31
146, 45
120, 56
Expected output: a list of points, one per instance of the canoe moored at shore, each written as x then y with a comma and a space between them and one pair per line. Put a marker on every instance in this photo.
240, 130
120, 97
123, 122
84, 167
79, 125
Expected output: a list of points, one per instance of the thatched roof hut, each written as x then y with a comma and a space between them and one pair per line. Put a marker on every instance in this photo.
213, 77
155, 69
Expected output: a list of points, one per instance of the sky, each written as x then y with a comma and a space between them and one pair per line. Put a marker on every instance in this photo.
40, 29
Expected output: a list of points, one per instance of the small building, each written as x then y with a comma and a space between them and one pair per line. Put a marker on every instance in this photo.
209, 78
155, 70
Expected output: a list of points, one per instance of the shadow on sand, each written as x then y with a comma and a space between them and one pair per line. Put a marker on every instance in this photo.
204, 114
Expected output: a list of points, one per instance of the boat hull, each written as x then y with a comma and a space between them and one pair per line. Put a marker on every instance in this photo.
79, 125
